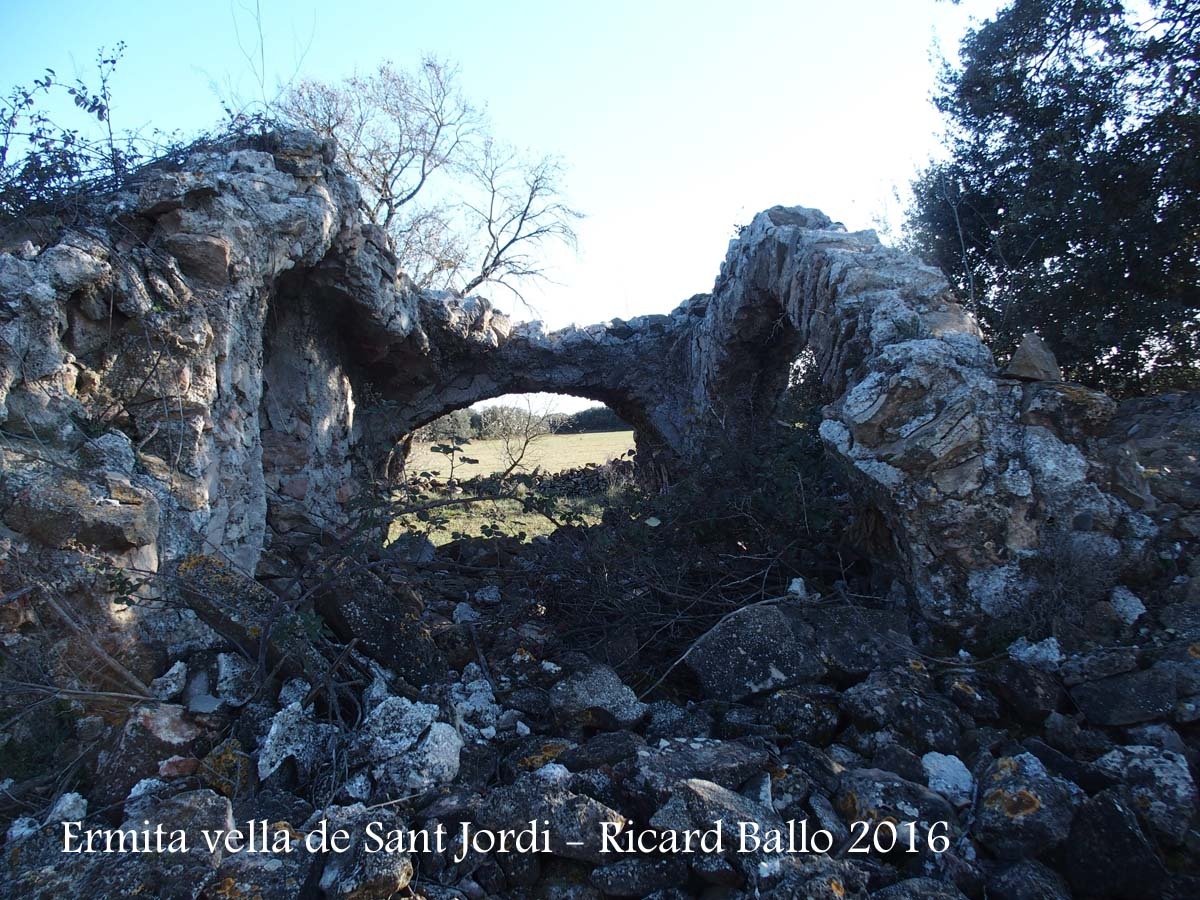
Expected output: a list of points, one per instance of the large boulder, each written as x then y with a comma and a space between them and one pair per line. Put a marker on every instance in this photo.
574, 820
906, 701
1108, 855
385, 620
110, 514
153, 734
1033, 361
1158, 784
595, 696
654, 771
1021, 810
1129, 698
751, 651
875, 796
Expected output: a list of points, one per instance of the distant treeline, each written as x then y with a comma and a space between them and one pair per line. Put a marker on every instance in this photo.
497, 421
595, 418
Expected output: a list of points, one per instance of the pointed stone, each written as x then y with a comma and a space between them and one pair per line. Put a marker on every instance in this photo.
1033, 361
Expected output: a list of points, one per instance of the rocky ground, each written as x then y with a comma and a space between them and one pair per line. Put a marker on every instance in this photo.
1032, 773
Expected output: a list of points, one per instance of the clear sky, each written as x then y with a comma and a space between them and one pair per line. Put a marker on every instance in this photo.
676, 120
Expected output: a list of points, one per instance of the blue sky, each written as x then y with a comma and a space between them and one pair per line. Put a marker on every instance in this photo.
676, 120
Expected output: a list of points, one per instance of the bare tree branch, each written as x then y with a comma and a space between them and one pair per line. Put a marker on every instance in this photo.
520, 212
459, 209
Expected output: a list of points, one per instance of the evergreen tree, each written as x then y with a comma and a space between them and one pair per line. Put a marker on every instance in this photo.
1070, 201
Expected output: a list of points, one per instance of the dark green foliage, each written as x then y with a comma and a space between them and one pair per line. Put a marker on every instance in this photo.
596, 418
41, 162
495, 422
462, 423
1070, 203
53, 170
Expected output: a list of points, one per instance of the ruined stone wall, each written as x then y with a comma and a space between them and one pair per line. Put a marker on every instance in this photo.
974, 473
144, 330
221, 355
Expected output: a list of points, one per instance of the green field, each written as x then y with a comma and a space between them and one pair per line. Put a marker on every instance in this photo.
552, 453
508, 516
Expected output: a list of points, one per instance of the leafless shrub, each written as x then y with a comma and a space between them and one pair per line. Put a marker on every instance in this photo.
518, 430
460, 208
1073, 571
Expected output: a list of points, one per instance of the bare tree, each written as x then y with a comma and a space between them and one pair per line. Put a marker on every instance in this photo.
459, 209
393, 129
518, 429
519, 212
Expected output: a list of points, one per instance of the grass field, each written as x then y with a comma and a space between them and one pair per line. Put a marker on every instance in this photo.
551, 453
508, 516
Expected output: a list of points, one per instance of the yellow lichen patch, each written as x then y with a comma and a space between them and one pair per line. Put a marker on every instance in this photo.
227, 888
963, 688
228, 770
1014, 804
212, 573
195, 561
1006, 765
549, 751
232, 890
836, 888
848, 805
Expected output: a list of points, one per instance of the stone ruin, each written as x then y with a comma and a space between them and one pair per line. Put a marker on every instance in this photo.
203, 378
221, 360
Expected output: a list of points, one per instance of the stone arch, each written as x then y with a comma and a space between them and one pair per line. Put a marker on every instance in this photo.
518, 366
928, 432
295, 351
969, 469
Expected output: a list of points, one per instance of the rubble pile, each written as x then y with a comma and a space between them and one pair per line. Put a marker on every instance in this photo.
805, 748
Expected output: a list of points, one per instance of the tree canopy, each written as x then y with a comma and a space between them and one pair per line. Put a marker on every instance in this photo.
1069, 204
